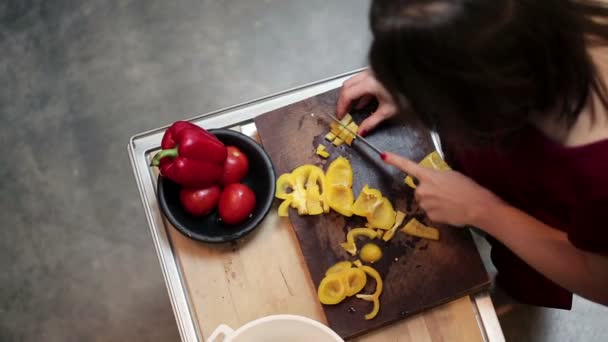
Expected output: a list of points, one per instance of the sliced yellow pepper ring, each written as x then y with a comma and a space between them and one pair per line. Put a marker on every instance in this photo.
398, 221
371, 253
372, 314
375, 297
350, 245
338, 186
332, 289
339, 267
415, 228
432, 161
355, 280
357, 263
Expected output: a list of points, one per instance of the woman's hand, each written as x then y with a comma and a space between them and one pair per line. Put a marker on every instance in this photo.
365, 87
447, 196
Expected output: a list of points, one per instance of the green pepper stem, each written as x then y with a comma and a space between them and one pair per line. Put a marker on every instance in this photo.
162, 154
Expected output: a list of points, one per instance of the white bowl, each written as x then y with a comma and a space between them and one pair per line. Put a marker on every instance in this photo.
277, 328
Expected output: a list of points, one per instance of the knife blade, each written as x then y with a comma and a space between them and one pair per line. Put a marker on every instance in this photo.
362, 139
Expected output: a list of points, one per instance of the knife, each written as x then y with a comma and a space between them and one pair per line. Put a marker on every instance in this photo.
362, 139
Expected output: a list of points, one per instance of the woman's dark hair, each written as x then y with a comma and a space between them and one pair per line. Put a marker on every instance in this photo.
486, 68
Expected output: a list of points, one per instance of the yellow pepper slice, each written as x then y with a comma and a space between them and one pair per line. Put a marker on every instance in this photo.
350, 245
374, 297
398, 221
366, 201
330, 137
354, 280
339, 267
284, 207
383, 215
285, 185
378, 209
338, 142
332, 289
432, 161
338, 186
371, 253
415, 228
313, 200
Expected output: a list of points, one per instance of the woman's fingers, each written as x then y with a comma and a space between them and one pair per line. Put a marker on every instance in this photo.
348, 95
364, 101
406, 165
382, 113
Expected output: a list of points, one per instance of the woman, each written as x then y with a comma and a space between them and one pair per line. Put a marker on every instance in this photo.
516, 90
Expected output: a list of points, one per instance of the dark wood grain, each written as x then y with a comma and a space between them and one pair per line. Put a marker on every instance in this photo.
418, 274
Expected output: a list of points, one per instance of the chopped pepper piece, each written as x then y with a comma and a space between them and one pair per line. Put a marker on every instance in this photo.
338, 186
366, 201
330, 137
398, 221
350, 246
371, 253
432, 161
378, 209
322, 152
374, 297
338, 142
383, 216
284, 207
415, 228
332, 289
350, 137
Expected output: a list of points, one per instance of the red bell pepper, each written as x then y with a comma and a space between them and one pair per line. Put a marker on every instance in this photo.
190, 155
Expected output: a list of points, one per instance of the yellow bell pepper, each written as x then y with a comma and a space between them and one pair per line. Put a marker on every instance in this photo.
366, 201
304, 190
432, 161
398, 221
415, 228
338, 186
377, 209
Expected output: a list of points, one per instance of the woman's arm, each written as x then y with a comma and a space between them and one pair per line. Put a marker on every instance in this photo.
451, 197
546, 249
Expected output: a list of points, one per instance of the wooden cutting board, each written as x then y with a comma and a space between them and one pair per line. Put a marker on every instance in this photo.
418, 274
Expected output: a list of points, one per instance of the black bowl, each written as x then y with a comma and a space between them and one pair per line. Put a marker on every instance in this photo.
209, 228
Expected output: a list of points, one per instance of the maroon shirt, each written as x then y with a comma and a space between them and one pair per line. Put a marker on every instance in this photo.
564, 187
